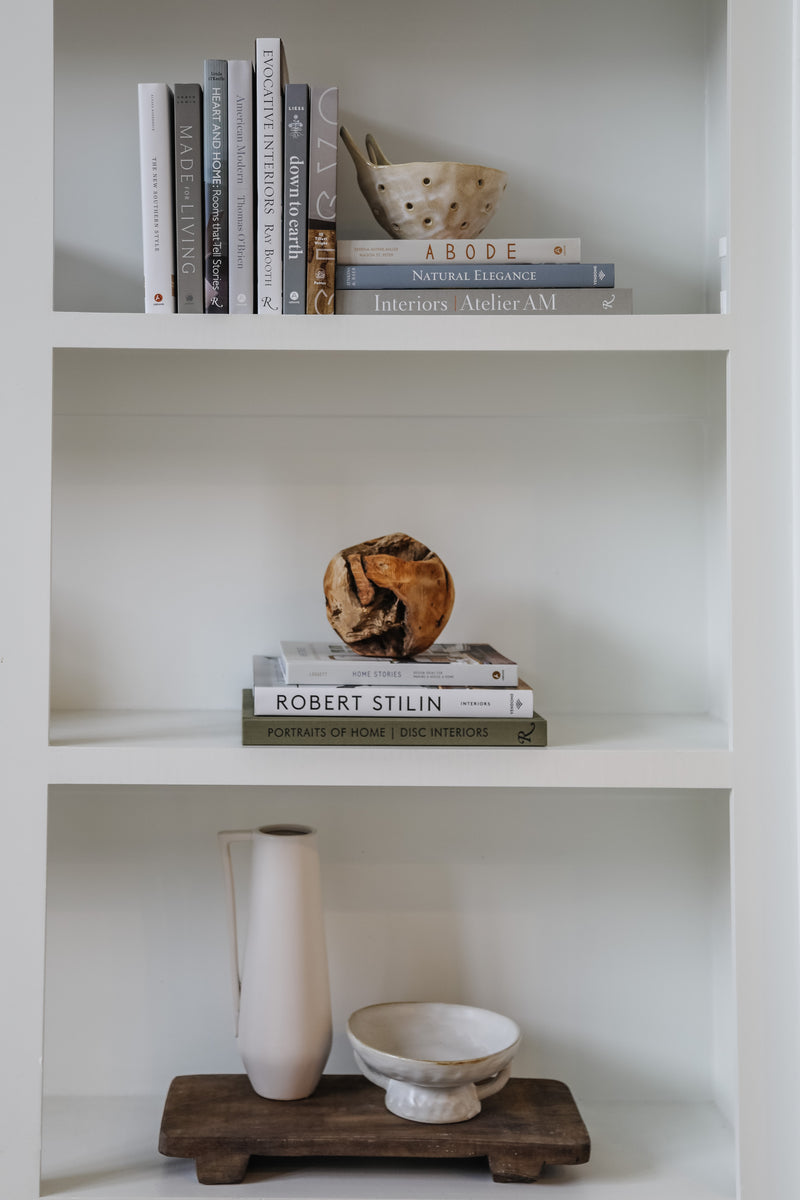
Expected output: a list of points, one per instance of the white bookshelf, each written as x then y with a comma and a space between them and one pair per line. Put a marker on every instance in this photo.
615, 498
640, 332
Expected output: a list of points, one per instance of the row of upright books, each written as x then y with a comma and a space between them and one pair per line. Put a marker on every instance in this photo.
238, 182
314, 693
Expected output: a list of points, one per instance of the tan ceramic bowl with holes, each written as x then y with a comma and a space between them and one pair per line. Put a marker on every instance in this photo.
435, 1061
426, 199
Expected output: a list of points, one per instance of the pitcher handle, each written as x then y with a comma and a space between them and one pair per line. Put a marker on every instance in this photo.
225, 837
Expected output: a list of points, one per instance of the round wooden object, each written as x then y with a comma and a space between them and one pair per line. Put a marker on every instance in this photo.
390, 597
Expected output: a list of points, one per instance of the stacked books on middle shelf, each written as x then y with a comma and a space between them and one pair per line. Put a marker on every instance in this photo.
482, 277
450, 695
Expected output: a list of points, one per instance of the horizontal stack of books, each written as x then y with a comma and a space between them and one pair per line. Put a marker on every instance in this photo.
526, 276
328, 695
238, 180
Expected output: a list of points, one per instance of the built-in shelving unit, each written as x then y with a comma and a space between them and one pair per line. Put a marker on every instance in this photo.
614, 496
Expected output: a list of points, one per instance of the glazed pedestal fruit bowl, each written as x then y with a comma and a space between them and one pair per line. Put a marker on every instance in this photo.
436, 1062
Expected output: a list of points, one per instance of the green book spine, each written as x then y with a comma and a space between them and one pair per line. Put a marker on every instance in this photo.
389, 731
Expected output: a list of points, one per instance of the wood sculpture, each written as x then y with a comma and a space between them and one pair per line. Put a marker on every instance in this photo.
390, 597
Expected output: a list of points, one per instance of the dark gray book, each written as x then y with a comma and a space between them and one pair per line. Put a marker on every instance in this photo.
215, 173
295, 196
188, 192
483, 302
323, 140
390, 731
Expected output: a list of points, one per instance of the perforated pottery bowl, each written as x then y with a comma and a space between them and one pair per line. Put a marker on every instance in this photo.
435, 1061
426, 199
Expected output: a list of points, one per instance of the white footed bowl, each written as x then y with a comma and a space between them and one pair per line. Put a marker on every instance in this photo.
435, 1061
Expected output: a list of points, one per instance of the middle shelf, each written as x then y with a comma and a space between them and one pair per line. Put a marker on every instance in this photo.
204, 748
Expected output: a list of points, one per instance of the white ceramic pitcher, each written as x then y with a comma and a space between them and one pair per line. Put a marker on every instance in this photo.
281, 993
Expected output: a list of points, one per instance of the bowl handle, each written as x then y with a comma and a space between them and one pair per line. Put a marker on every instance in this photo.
376, 155
488, 1087
356, 155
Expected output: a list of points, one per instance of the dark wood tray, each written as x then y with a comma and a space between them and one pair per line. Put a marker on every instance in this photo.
219, 1121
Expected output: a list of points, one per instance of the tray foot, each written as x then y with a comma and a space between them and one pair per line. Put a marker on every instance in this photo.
514, 1166
221, 1166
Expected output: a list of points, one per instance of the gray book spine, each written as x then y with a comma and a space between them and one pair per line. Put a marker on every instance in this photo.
483, 275
482, 302
188, 114
215, 120
295, 196
323, 140
241, 227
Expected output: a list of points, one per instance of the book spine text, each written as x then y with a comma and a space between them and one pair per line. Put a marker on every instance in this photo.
322, 161
241, 264
215, 96
268, 134
483, 303
295, 196
479, 250
522, 275
188, 143
155, 172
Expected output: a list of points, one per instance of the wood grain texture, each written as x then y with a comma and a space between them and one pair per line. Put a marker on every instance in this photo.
390, 597
219, 1121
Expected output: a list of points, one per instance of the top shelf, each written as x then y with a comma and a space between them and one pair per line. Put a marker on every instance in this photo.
655, 332
619, 138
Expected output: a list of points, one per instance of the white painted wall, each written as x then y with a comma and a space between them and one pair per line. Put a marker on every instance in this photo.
192, 527
537, 95
589, 917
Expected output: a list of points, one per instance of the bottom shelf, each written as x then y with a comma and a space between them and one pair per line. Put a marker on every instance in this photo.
105, 1148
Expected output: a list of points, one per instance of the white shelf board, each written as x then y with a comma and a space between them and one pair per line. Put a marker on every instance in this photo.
653, 332
204, 748
106, 1149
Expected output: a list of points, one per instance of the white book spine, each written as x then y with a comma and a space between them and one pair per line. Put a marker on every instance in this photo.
375, 701
241, 229
268, 134
307, 663
441, 251
155, 171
